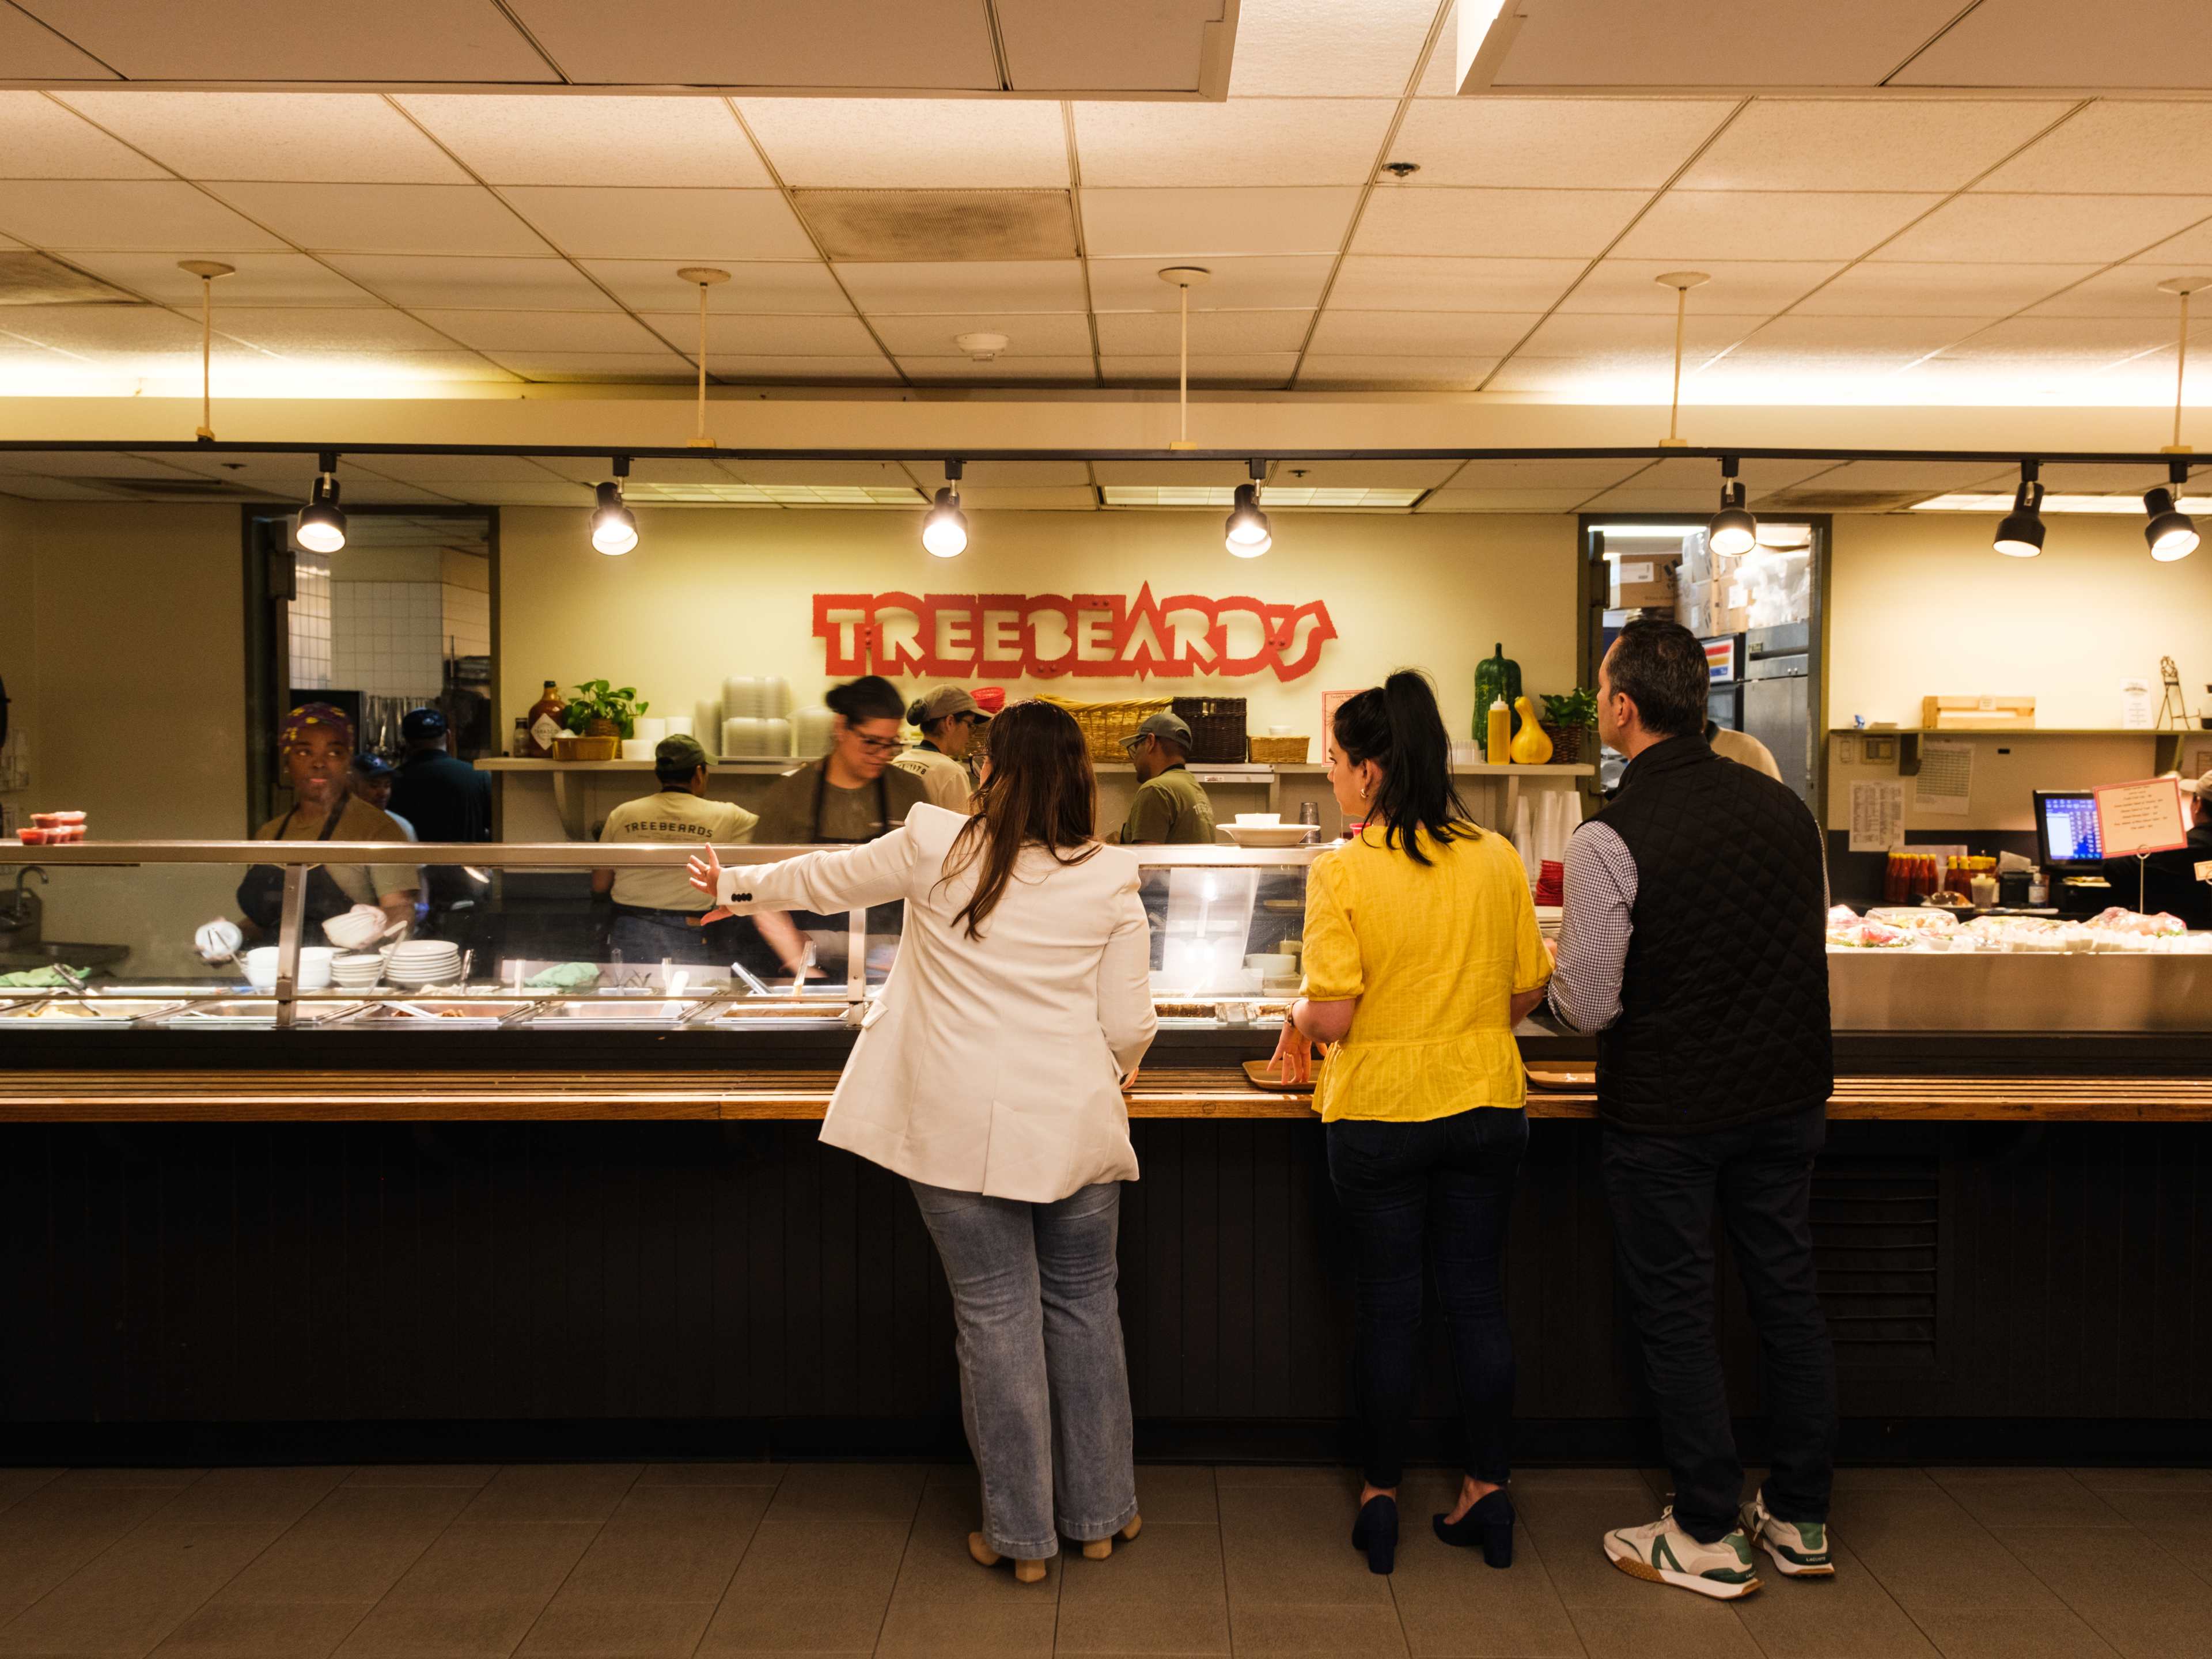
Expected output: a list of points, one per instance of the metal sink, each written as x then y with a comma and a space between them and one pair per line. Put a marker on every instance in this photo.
52, 952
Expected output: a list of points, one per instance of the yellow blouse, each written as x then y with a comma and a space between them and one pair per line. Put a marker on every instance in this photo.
1433, 954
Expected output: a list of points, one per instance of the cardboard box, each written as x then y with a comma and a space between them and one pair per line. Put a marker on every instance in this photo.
1640, 583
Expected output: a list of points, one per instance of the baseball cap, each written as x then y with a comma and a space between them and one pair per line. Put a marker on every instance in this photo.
679, 753
2200, 787
418, 724
1171, 726
945, 700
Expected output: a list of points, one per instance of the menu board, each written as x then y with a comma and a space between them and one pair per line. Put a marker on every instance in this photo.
2142, 818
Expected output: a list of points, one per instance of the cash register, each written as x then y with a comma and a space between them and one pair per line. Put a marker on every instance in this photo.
2071, 849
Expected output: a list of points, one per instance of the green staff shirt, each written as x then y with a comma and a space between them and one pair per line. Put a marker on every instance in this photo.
1171, 808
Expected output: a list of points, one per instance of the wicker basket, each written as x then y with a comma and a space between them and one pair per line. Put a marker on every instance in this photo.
1106, 724
1280, 752
566, 748
1566, 743
1216, 728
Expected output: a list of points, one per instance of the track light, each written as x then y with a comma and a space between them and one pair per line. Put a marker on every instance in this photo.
2020, 535
2170, 532
1246, 533
1732, 530
614, 526
944, 530
322, 526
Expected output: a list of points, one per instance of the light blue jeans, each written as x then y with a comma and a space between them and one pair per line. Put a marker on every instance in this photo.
1044, 1385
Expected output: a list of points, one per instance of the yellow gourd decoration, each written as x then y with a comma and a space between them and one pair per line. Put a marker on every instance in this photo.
1530, 747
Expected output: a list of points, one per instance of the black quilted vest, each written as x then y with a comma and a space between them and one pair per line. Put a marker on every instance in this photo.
1724, 996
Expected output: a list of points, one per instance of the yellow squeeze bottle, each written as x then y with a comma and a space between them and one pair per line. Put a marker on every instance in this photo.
1496, 751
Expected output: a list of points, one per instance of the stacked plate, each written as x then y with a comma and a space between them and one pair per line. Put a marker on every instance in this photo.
422, 962
359, 971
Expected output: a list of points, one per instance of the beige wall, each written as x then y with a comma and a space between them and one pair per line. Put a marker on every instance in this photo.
19, 637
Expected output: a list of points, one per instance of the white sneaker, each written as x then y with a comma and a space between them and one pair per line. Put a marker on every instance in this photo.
1800, 1549
1665, 1554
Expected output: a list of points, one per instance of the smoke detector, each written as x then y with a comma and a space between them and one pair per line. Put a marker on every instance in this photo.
980, 348
1401, 171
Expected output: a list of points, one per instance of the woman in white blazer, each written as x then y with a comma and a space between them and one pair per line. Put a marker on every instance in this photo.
989, 1073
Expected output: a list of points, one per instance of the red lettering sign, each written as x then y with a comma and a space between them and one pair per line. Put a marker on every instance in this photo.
1009, 636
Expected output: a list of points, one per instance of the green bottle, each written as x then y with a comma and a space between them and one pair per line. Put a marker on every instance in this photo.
1495, 677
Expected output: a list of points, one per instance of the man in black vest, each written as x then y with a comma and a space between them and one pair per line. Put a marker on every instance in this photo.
1693, 944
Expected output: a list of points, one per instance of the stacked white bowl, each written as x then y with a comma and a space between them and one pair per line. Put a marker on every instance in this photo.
314, 967
422, 962
357, 971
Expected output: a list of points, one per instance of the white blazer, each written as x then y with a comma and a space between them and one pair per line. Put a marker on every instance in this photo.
992, 1064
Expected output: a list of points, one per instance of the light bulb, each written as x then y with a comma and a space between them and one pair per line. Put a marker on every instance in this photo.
2020, 535
614, 526
2170, 532
1246, 533
322, 526
945, 531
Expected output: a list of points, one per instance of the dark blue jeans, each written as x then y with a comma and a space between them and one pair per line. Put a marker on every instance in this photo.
1448, 1182
1663, 1191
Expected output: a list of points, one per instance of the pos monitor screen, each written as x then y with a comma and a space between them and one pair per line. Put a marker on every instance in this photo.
2066, 830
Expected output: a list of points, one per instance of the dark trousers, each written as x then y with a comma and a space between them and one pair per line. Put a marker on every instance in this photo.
1663, 1190
1448, 1182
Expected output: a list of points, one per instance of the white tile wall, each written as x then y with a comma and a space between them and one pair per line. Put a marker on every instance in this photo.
387, 638
467, 622
309, 615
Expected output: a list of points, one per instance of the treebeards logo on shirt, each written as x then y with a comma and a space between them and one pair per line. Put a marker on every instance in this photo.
1012, 636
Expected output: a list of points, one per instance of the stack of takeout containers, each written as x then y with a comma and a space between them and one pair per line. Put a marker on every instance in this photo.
52, 829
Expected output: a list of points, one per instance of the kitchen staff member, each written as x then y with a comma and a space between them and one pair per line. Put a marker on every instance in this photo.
2168, 881
948, 718
1170, 805
372, 782
1742, 748
852, 795
316, 748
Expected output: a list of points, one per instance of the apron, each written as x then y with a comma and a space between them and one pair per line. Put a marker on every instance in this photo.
885, 920
261, 893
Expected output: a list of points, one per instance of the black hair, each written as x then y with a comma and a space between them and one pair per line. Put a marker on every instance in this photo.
1396, 726
674, 777
1661, 667
871, 697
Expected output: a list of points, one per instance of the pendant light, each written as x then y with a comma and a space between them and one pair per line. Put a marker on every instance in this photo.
1681, 281
614, 526
944, 530
2181, 288
322, 526
2020, 535
1732, 530
706, 276
1246, 533
2170, 532
207, 270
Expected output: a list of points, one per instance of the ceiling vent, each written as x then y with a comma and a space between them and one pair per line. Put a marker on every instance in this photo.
873, 226
39, 279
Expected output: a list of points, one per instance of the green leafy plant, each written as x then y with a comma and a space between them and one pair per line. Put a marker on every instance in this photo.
595, 700
1577, 709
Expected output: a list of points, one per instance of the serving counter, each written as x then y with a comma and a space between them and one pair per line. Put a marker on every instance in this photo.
591, 1213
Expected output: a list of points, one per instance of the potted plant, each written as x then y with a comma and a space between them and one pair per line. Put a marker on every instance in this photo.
1566, 720
600, 717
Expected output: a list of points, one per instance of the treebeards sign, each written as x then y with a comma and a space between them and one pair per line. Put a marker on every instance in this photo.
1014, 636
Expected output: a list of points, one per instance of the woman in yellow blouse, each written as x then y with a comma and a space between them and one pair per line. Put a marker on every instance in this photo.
1422, 954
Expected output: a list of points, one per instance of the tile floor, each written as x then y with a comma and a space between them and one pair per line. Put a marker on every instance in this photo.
719, 1560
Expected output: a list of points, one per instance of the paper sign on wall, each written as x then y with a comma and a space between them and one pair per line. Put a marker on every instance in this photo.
1945, 786
1877, 817
2142, 818
2137, 712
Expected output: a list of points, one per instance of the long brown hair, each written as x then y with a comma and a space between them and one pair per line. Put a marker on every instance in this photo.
1041, 792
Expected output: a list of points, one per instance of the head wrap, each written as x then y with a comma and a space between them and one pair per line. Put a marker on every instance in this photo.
313, 716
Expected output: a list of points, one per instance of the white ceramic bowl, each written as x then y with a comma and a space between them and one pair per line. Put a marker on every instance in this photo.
314, 967
1249, 820
1272, 966
1267, 834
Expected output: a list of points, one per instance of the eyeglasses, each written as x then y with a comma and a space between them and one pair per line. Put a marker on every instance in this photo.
878, 745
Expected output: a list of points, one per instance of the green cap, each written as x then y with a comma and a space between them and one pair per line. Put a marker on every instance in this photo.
679, 753
1162, 725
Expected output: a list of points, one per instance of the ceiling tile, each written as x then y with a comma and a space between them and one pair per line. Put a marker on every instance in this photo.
755, 286
546, 285
85, 463
1874, 337
1048, 498
911, 143
1885, 144
1554, 144
97, 329
298, 40
1316, 48
1930, 476
1248, 368
298, 329
2190, 252
1294, 472
588, 140
1006, 475
1190, 224
920, 226
2061, 479
551, 493
2054, 228
1693, 225
2166, 44
429, 219
1576, 334
1172, 473
1515, 223
438, 472
35, 51
1138, 333
860, 475
545, 330
1883, 289
40, 139
2076, 339
1739, 287
788, 335
960, 286
171, 217
801, 370
260, 279
2124, 291
1419, 333
1286, 282
1503, 500
377, 492
944, 44
1068, 370
1372, 282
596, 366
591, 222
303, 373
1158, 46
1631, 43
319, 135
1030, 334
1246, 141
1321, 372
1685, 472
1587, 477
